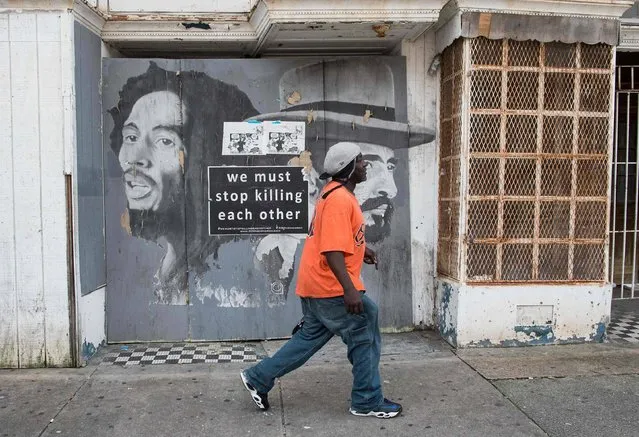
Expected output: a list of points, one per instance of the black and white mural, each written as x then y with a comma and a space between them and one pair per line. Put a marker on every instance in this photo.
213, 172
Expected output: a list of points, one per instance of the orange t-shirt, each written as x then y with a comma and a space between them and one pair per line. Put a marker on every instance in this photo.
338, 225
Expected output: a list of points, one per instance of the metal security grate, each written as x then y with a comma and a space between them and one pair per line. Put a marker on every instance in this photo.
624, 210
536, 160
450, 159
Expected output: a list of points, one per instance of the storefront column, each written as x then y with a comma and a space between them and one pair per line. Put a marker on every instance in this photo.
525, 138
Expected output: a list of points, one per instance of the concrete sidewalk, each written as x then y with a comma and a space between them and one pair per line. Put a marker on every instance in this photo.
583, 390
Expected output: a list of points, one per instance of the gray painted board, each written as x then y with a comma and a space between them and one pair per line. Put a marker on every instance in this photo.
167, 279
89, 179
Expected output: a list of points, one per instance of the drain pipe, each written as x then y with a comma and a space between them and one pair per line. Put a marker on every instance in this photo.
71, 274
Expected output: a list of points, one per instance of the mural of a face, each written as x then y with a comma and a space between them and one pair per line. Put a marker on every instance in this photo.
159, 250
377, 192
150, 153
165, 134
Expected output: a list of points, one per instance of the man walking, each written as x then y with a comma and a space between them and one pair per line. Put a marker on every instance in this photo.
332, 293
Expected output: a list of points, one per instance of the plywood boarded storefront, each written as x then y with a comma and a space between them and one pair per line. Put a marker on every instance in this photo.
199, 248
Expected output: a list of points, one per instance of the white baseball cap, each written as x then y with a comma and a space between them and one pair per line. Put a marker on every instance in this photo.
338, 157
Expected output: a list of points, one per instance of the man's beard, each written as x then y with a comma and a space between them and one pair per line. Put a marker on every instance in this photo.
151, 225
381, 227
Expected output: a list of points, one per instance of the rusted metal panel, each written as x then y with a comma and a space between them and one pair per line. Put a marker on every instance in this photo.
546, 28
451, 92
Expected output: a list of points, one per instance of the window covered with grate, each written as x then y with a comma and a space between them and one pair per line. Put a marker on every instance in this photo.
535, 158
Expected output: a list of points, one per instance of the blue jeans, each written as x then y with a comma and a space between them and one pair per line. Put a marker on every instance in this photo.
324, 318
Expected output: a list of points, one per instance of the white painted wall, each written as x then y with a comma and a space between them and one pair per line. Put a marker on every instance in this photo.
423, 175
499, 315
35, 79
91, 323
490, 313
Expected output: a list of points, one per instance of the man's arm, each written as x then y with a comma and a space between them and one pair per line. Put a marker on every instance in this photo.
352, 298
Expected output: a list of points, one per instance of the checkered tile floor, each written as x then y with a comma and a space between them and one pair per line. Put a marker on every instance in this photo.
182, 354
624, 327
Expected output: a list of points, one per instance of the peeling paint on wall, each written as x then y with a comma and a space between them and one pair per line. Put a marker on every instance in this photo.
381, 29
231, 298
481, 343
507, 316
535, 334
181, 159
125, 222
294, 98
88, 350
600, 332
446, 316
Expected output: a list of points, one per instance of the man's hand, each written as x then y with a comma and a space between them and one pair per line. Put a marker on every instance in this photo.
353, 301
352, 298
370, 257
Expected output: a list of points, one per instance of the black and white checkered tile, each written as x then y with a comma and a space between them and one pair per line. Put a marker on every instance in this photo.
624, 327
182, 354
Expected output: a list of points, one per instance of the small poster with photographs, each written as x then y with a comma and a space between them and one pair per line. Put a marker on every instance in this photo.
243, 138
284, 137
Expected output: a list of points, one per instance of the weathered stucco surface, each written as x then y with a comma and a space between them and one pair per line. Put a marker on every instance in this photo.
487, 316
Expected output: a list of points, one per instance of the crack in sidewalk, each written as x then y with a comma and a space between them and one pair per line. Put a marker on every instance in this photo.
67, 402
279, 389
501, 393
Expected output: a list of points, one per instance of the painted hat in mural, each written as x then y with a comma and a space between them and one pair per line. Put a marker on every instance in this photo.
346, 100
